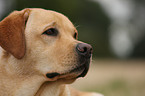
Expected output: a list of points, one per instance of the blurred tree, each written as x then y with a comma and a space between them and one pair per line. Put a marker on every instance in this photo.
86, 15
138, 21
139, 49
94, 27
6, 7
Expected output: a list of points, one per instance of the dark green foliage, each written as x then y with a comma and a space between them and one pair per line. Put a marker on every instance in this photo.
87, 16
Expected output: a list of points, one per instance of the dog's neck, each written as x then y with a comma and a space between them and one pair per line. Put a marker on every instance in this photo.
36, 88
53, 89
30, 86
14, 84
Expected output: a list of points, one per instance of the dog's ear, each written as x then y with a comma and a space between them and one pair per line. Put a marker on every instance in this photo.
12, 38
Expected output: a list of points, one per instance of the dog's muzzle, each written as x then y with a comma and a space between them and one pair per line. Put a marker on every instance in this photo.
84, 54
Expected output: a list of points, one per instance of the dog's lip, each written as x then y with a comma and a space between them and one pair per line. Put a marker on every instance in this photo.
52, 75
74, 73
85, 70
78, 69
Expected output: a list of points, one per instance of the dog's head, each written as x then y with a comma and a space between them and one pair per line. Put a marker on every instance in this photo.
44, 42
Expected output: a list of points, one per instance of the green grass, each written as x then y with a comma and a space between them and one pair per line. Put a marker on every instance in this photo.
114, 88
120, 87
115, 78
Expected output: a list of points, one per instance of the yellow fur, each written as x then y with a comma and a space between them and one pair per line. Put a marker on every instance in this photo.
44, 54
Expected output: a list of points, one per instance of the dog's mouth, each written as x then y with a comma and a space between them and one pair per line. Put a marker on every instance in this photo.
79, 71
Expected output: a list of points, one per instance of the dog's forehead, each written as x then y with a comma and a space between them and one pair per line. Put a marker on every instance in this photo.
45, 17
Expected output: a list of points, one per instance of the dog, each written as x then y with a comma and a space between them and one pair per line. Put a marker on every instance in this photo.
40, 54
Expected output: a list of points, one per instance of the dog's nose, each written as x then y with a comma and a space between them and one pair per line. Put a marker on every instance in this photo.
84, 49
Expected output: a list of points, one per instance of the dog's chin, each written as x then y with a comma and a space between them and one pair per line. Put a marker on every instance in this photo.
80, 70
73, 74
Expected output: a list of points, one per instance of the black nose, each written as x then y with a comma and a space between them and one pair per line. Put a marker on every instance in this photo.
84, 49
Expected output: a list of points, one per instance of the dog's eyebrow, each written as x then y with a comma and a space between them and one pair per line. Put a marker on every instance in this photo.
49, 25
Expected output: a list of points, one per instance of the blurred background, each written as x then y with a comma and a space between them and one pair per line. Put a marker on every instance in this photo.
115, 29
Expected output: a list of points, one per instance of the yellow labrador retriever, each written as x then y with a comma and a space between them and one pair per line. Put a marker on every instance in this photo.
40, 54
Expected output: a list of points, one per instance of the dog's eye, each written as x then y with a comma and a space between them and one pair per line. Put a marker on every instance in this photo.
51, 32
75, 35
